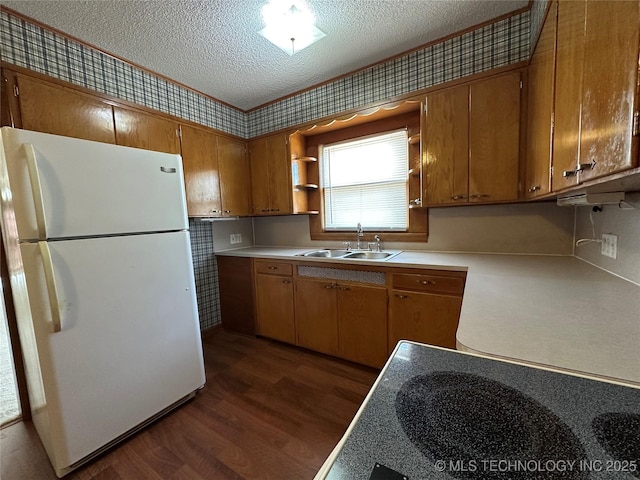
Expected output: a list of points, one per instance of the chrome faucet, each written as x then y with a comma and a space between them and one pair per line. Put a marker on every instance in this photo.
359, 235
378, 243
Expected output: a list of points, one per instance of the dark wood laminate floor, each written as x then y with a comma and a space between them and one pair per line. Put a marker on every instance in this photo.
268, 411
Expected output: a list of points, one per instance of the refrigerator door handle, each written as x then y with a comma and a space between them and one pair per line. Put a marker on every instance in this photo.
50, 278
36, 189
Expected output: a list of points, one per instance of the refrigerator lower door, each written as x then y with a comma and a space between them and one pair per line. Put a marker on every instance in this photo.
66, 187
128, 341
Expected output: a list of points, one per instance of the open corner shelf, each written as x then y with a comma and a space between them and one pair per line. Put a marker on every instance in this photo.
306, 159
307, 186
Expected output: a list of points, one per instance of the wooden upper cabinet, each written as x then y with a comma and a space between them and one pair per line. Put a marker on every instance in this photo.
472, 142
540, 109
49, 108
235, 185
568, 93
144, 130
609, 97
596, 90
494, 139
270, 176
200, 165
446, 145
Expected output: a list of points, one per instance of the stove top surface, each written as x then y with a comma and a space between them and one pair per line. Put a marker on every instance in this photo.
440, 414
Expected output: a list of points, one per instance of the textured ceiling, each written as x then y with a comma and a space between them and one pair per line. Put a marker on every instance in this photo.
213, 46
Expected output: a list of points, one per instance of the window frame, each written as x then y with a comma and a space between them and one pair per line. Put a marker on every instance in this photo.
418, 217
323, 187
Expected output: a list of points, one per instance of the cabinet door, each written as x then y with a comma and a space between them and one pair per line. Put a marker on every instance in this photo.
48, 108
446, 146
362, 324
540, 109
568, 94
423, 317
236, 294
494, 139
280, 191
259, 163
200, 165
143, 130
235, 187
609, 87
316, 315
274, 307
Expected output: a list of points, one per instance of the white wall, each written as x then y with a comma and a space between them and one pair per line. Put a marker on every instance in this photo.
542, 228
623, 223
222, 229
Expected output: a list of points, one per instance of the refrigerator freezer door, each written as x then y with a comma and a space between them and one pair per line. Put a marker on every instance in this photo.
65, 187
129, 343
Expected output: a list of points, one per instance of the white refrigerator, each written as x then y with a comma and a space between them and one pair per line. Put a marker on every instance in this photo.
99, 257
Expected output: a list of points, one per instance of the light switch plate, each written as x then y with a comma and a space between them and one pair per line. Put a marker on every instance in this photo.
609, 245
235, 238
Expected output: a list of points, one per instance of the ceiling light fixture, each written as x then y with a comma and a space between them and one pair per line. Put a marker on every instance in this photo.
289, 25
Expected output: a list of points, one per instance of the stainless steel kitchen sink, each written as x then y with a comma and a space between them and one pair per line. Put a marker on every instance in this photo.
370, 255
325, 253
350, 254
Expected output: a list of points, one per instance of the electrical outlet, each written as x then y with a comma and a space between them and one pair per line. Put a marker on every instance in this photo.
609, 245
235, 238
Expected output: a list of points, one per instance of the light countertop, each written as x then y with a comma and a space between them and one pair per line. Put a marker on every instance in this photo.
557, 311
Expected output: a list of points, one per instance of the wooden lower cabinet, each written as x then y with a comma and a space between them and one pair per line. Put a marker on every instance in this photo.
423, 317
316, 314
235, 278
362, 324
350, 319
344, 319
274, 305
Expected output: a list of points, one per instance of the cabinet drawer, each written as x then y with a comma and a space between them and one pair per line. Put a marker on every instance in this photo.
273, 268
428, 283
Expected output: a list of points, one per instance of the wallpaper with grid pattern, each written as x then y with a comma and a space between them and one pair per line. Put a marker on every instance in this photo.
205, 272
36, 48
495, 45
538, 10
491, 46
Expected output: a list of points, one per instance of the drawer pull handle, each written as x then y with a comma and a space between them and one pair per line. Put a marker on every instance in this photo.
535, 188
458, 197
271, 267
426, 282
402, 297
286, 281
329, 286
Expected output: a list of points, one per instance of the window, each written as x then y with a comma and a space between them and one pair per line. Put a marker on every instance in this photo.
365, 181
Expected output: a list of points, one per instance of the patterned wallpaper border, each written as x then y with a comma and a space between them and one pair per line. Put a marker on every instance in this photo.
495, 45
498, 44
36, 48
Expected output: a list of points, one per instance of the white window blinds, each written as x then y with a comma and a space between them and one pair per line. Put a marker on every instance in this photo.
365, 181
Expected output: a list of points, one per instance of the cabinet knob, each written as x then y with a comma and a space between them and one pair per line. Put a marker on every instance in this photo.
426, 282
458, 197
227, 211
286, 281
330, 286
535, 188
401, 297
271, 267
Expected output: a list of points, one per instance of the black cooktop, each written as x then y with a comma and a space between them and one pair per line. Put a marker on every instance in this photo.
441, 414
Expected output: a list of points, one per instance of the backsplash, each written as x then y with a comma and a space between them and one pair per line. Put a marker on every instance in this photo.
532, 228
625, 223
205, 272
